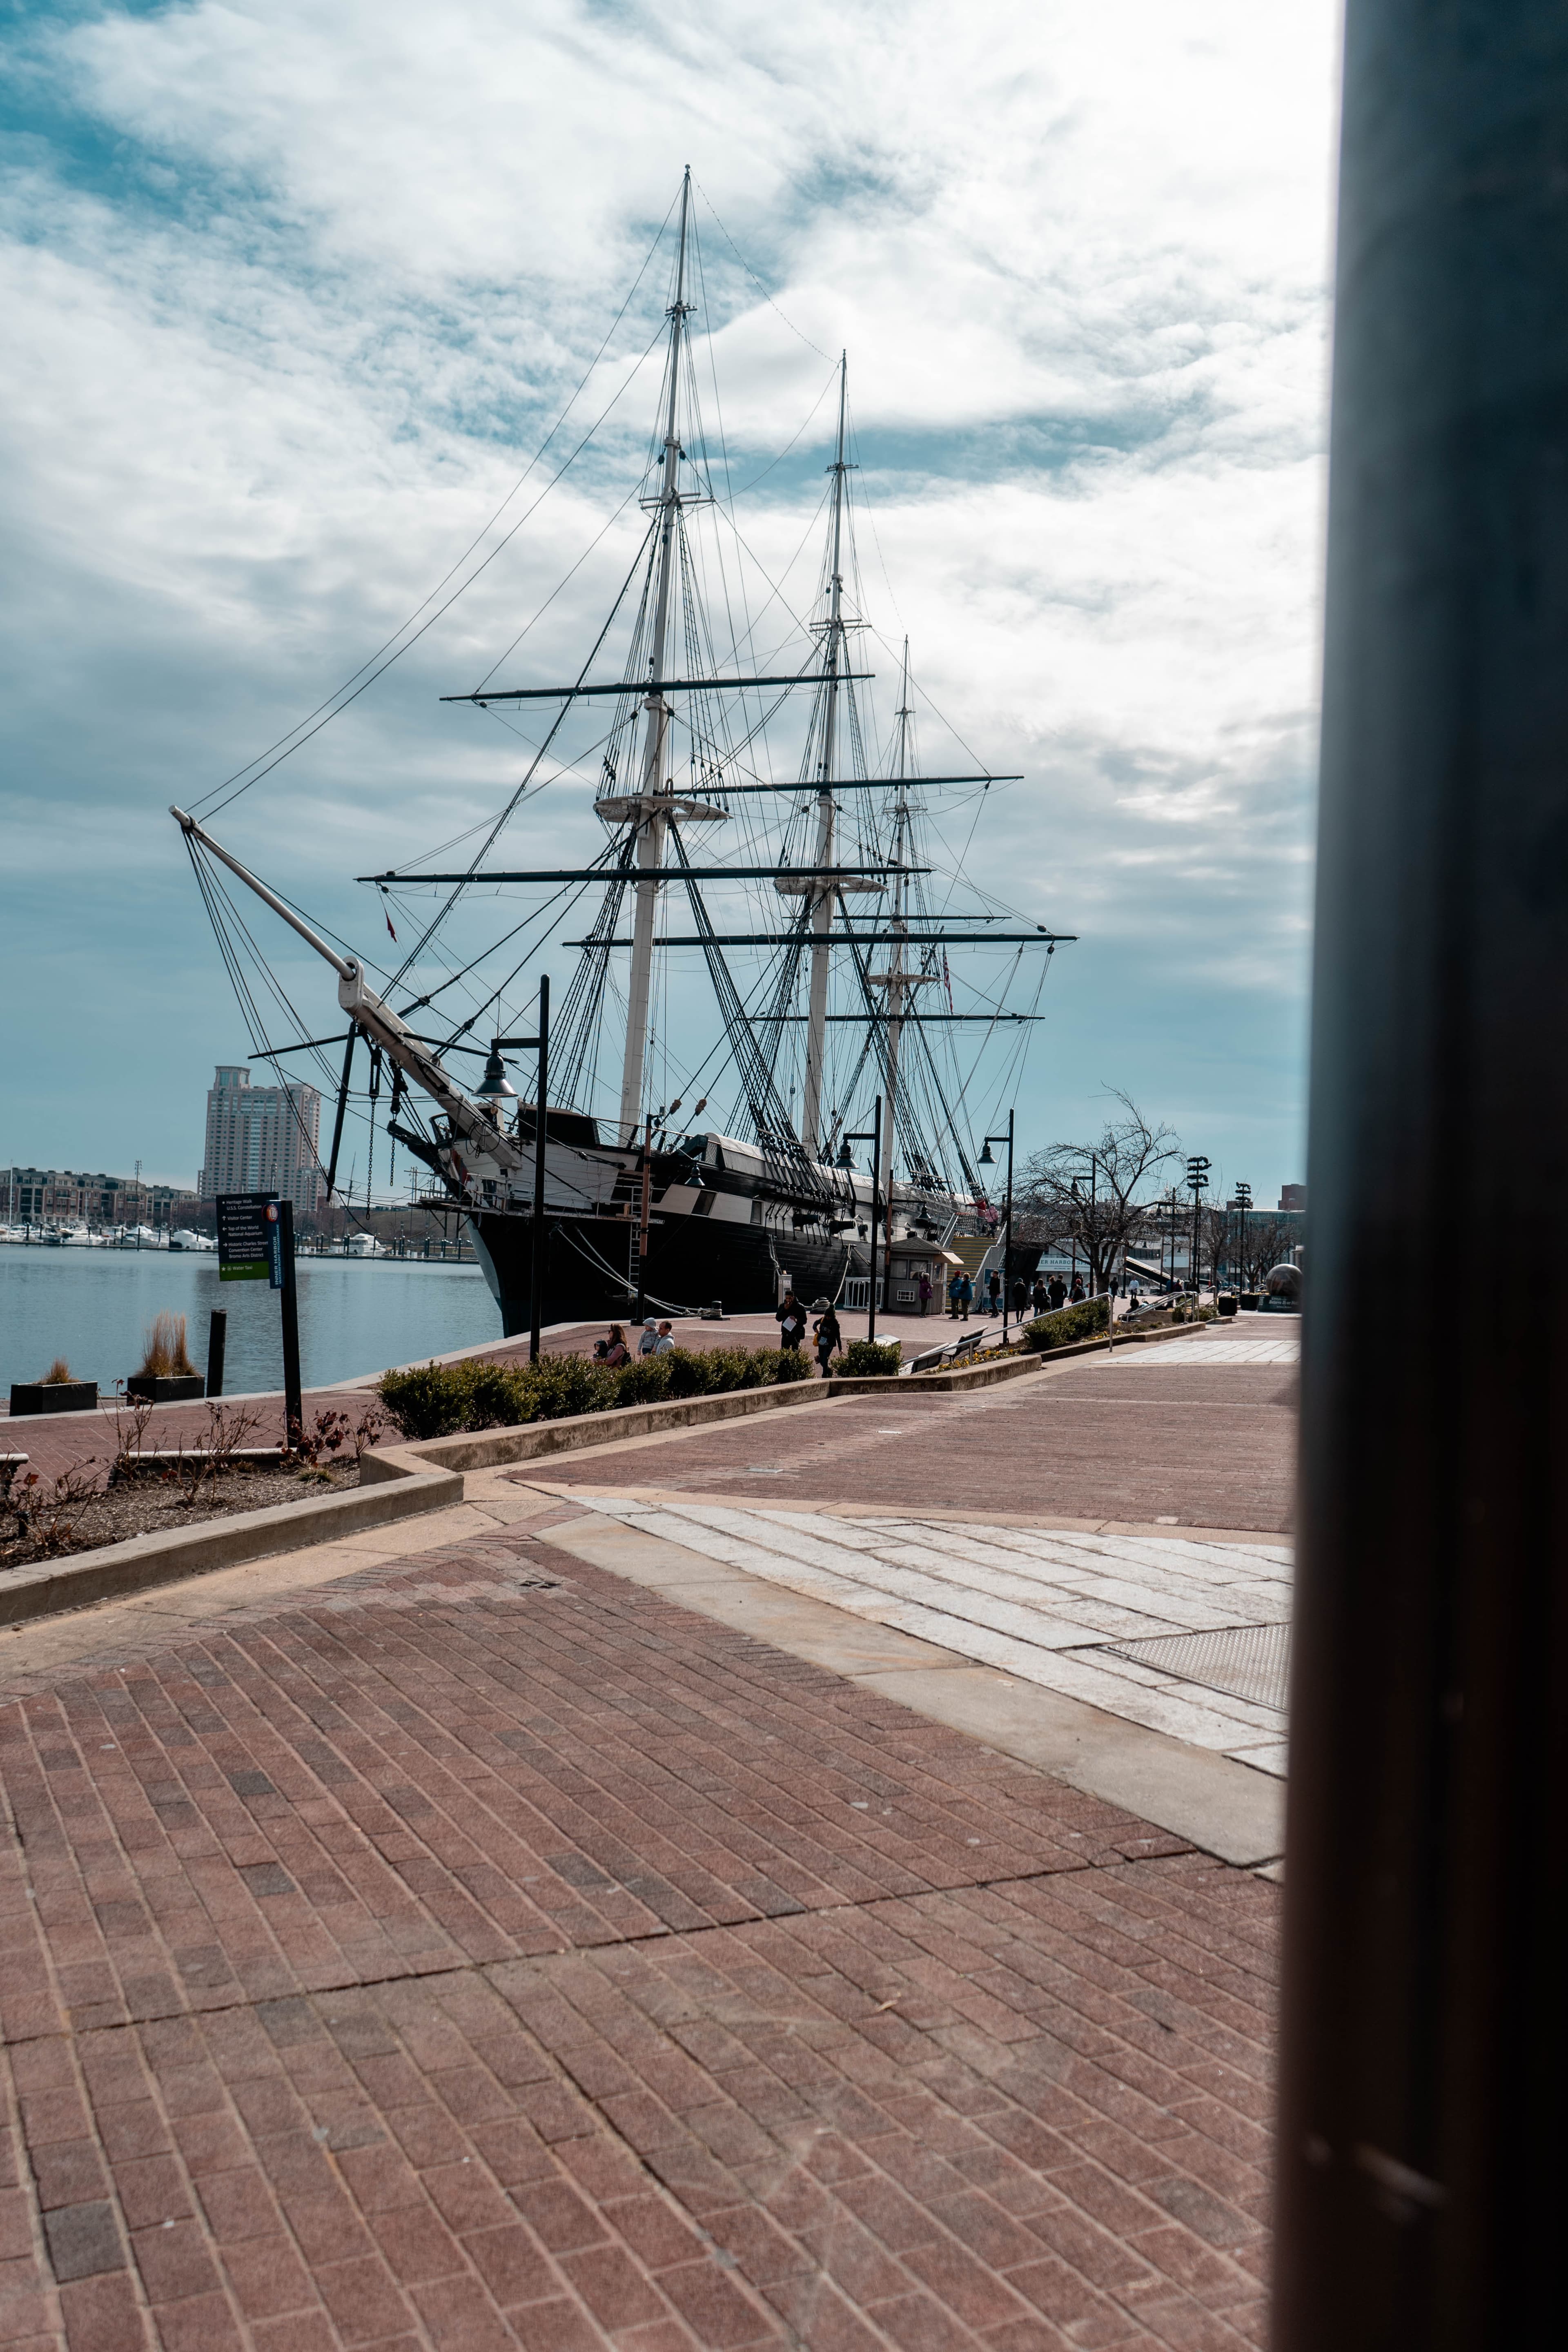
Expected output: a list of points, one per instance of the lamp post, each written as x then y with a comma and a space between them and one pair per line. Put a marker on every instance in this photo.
1241, 1204
988, 1160
1197, 1181
540, 1046
846, 1159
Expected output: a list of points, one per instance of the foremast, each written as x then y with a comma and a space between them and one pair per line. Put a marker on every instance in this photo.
826, 895
653, 803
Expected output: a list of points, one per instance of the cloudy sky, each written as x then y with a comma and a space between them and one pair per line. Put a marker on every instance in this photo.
294, 294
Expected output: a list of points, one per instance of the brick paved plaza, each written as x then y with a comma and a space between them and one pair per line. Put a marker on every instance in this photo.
441, 1940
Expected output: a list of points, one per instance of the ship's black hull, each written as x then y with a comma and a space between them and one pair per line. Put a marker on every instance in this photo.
692, 1262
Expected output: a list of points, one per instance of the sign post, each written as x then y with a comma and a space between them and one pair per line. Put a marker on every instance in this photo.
256, 1244
280, 1218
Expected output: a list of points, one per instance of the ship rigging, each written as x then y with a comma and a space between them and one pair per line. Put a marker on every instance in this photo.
836, 984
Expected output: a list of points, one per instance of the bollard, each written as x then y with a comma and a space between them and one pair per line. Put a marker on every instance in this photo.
217, 1332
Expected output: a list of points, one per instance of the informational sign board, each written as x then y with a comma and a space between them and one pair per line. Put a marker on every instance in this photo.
277, 1260
248, 1237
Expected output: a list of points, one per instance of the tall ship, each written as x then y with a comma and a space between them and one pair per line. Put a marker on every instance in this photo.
791, 1011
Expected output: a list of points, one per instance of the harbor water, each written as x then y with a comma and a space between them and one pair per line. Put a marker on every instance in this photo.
93, 1305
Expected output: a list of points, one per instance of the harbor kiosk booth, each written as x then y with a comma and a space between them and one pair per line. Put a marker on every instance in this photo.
899, 1265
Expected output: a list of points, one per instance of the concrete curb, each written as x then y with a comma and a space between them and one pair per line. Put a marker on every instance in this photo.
1005, 1368
480, 1449
963, 1376
396, 1487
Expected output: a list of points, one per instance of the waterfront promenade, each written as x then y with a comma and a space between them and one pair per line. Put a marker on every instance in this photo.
618, 1912
54, 1441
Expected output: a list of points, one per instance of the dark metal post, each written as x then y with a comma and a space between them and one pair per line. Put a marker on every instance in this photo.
876, 1173
342, 1105
639, 1230
1091, 1239
540, 1121
1425, 2066
217, 1335
1007, 1241
288, 1298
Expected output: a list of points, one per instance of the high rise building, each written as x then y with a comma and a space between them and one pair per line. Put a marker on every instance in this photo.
262, 1139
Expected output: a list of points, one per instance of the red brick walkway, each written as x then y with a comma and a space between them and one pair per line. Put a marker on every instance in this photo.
487, 1952
1125, 1441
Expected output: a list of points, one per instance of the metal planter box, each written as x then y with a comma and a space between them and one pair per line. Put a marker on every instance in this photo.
146, 1388
53, 1396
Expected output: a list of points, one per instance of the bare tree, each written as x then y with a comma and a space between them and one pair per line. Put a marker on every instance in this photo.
1097, 1195
1247, 1244
1270, 1241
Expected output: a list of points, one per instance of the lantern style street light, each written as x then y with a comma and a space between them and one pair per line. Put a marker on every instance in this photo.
493, 1071
873, 1136
988, 1160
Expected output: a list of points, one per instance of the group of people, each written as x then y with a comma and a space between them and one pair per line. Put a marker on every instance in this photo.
825, 1336
658, 1339
654, 1339
1043, 1297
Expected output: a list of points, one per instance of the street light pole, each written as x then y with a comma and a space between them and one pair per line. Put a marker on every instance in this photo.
873, 1136
540, 1046
1243, 1203
1197, 1177
986, 1161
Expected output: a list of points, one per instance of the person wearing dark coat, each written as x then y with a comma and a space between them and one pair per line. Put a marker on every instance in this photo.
791, 1320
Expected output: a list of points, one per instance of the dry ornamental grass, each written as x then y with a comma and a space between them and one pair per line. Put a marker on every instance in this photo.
163, 1354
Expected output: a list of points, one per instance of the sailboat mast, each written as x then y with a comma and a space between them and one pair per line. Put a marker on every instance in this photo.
899, 929
652, 820
822, 908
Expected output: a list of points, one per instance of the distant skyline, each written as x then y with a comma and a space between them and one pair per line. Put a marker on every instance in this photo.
293, 296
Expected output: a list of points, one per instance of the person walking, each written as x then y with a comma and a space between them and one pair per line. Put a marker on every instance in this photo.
925, 1286
1020, 1296
826, 1332
791, 1320
965, 1297
1059, 1293
995, 1287
1040, 1296
954, 1285
1077, 1290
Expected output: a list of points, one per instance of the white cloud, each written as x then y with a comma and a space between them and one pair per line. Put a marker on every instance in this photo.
294, 291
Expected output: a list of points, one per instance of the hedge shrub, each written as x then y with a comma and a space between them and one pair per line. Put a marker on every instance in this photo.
1068, 1324
869, 1359
438, 1399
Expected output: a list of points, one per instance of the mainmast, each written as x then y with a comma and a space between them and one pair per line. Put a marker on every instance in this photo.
896, 979
822, 908
652, 808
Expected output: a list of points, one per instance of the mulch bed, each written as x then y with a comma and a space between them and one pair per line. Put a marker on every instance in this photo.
153, 1505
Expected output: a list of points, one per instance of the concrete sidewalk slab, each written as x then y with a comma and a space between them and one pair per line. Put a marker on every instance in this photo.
1226, 1808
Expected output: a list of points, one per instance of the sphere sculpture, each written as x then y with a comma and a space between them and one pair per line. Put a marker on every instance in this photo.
1283, 1282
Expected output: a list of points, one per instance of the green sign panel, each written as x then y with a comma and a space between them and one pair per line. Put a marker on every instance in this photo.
246, 1236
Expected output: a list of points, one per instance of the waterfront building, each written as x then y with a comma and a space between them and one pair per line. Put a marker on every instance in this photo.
50, 1196
262, 1139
